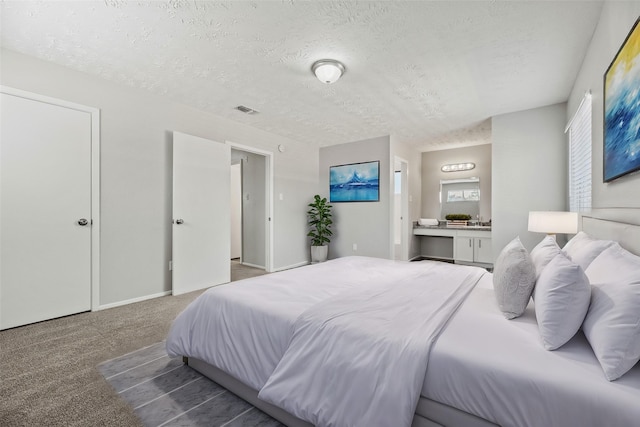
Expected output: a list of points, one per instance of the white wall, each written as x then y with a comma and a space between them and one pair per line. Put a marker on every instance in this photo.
616, 21
136, 178
367, 224
529, 168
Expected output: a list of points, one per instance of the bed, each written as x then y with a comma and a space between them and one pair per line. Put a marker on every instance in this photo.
480, 368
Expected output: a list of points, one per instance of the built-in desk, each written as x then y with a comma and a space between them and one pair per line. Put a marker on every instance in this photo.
463, 245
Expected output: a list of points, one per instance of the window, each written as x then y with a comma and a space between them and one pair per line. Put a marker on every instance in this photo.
579, 130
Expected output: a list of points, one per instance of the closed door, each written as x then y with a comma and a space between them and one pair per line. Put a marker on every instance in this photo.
45, 211
201, 213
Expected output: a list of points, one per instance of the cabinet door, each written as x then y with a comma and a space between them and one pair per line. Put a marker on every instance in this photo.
482, 250
464, 249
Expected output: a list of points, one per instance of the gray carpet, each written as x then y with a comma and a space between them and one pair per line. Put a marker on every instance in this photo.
164, 392
49, 370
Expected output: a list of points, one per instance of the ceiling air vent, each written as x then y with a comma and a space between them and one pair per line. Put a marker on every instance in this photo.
246, 110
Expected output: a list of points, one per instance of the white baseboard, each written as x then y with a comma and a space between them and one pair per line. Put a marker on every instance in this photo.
248, 264
132, 300
289, 267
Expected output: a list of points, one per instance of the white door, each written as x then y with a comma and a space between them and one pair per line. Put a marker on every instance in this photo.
402, 223
201, 213
45, 211
236, 211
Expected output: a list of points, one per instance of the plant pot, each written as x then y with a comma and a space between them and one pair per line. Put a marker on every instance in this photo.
319, 253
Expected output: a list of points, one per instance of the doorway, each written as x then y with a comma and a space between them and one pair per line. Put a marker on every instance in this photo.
400, 226
251, 223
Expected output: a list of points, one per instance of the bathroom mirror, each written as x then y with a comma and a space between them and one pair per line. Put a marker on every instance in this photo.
460, 196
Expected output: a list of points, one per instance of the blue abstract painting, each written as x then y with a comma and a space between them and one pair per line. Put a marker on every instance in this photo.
622, 110
357, 182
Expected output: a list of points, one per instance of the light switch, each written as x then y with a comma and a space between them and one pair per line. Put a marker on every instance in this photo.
281, 196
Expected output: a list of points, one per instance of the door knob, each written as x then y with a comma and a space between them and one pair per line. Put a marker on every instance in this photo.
83, 222
179, 221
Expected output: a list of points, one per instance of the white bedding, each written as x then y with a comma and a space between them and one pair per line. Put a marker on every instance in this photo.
244, 327
498, 369
359, 358
481, 363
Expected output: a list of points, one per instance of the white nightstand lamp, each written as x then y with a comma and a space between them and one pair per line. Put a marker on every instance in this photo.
553, 222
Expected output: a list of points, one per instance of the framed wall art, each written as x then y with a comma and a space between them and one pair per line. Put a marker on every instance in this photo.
356, 182
621, 151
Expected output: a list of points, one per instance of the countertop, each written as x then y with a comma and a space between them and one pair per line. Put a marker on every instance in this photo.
454, 227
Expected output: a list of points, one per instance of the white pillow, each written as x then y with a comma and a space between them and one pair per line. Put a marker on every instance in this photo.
583, 249
513, 279
543, 253
612, 325
562, 296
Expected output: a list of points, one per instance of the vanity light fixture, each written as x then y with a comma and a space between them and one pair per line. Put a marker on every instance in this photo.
328, 70
458, 167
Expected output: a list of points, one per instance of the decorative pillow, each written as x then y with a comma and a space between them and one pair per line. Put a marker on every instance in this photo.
562, 296
543, 253
577, 241
612, 325
583, 249
513, 279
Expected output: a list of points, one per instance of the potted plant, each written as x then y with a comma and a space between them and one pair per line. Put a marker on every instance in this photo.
457, 219
319, 218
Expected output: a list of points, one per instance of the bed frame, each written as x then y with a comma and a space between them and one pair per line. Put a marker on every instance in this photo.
621, 225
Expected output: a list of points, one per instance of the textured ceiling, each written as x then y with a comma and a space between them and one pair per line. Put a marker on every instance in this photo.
429, 73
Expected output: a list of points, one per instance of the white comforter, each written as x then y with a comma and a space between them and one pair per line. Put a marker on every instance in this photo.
359, 358
245, 329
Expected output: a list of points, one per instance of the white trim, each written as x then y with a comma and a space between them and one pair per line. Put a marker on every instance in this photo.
268, 197
587, 95
248, 264
289, 267
95, 179
134, 300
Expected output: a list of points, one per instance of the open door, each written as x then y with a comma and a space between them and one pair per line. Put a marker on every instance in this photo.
201, 213
401, 220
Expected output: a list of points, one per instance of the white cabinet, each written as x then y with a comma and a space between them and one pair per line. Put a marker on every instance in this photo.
464, 248
482, 251
473, 247
465, 245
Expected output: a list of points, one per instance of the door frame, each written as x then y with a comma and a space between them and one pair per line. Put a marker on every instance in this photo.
95, 178
268, 238
404, 208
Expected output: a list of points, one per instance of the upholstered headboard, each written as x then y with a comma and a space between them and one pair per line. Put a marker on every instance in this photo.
620, 224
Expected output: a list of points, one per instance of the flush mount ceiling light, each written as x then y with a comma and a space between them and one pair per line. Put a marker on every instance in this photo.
457, 167
328, 70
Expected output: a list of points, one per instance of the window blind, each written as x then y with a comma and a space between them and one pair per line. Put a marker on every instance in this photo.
579, 131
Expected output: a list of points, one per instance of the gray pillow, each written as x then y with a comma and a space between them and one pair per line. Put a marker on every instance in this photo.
514, 277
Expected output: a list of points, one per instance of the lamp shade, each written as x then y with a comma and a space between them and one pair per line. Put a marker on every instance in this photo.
328, 70
552, 222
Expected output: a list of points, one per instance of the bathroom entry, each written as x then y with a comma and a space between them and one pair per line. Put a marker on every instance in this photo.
401, 223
